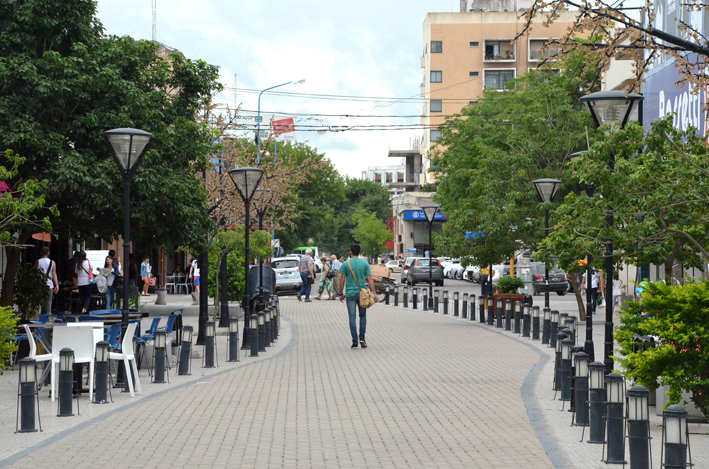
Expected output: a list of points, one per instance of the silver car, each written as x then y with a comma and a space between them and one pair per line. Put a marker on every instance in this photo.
287, 275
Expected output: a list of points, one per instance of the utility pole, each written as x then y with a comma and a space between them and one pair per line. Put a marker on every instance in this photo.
155, 16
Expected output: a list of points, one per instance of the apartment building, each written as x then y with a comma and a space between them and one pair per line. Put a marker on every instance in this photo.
391, 177
463, 53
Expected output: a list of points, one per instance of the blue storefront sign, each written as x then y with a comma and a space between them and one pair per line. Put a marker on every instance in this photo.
418, 215
662, 97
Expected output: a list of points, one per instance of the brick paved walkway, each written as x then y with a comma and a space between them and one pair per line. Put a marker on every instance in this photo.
427, 392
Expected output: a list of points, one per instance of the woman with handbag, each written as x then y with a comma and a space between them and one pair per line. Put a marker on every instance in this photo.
354, 273
326, 282
85, 281
146, 274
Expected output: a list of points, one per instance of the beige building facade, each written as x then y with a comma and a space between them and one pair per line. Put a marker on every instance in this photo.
463, 53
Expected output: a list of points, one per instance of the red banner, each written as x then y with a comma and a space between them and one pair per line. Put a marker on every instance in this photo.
283, 126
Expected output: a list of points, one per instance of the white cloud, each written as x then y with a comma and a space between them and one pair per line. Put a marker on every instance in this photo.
365, 48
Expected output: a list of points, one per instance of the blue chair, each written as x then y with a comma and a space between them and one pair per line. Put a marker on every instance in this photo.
70, 319
114, 334
144, 339
100, 312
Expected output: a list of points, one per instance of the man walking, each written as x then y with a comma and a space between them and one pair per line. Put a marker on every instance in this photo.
48, 268
305, 267
335, 266
353, 273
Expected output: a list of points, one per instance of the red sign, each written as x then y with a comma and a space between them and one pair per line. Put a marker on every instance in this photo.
283, 126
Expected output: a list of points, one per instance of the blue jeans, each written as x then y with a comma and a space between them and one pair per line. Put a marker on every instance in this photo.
352, 306
109, 296
305, 290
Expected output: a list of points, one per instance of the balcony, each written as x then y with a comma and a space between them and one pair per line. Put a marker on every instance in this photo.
499, 51
538, 52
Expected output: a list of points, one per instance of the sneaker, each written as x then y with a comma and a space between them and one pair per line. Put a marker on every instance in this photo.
355, 345
363, 344
298, 296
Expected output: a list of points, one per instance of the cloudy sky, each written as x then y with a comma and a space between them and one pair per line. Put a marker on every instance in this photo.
360, 52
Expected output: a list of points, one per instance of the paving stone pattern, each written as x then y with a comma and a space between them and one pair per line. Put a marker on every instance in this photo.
427, 392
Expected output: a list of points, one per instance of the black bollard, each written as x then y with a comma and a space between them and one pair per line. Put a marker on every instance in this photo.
260, 317
490, 310
553, 328
186, 351
508, 315
472, 307
526, 321
159, 356
253, 329
518, 318
386, 296
615, 438
101, 373
436, 294
267, 326
445, 302
425, 300
597, 403
66, 382
535, 323
638, 413
575, 349
675, 437
396, 295
499, 313
546, 326
406, 297
415, 297
234, 339
581, 390
565, 366
26, 395
557, 361
209, 345
456, 304
481, 309
464, 311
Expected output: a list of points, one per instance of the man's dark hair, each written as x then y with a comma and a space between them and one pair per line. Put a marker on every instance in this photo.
44, 251
355, 249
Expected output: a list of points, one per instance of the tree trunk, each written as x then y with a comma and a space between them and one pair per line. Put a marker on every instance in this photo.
670, 262
8, 281
579, 298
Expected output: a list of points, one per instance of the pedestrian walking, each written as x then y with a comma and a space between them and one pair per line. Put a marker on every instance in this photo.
49, 268
85, 281
326, 282
112, 271
194, 274
305, 267
335, 266
353, 273
596, 280
146, 274
617, 290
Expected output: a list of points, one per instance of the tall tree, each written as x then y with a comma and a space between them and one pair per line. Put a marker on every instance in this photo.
371, 233
63, 82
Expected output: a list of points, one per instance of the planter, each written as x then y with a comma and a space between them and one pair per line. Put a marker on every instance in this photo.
162, 296
510, 296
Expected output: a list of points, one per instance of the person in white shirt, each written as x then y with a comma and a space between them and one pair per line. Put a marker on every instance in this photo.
596, 280
335, 268
194, 274
617, 290
49, 268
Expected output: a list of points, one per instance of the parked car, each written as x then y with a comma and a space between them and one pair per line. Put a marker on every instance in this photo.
419, 271
394, 266
536, 273
472, 273
454, 270
287, 275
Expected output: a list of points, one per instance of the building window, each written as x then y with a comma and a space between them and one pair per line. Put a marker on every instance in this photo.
537, 50
473, 74
497, 79
436, 105
499, 50
436, 76
389, 178
400, 177
378, 178
436, 47
474, 44
435, 134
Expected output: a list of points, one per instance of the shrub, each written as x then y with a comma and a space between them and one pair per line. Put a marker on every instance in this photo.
8, 330
679, 316
30, 291
509, 284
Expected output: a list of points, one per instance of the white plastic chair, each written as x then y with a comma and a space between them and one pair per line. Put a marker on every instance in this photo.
83, 342
127, 354
46, 357
170, 283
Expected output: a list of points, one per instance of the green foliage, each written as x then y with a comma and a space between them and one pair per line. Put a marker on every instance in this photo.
233, 242
371, 233
30, 291
24, 205
8, 330
492, 153
678, 315
509, 284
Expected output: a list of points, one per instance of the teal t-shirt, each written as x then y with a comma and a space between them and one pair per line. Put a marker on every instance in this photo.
361, 269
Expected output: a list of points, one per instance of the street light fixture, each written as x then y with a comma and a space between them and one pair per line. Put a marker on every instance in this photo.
430, 211
547, 190
246, 181
128, 147
258, 118
611, 107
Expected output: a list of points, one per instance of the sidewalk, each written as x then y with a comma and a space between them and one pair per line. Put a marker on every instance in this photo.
429, 391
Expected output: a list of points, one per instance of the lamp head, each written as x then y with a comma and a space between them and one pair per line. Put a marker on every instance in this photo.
246, 181
612, 107
128, 146
547, 189
430, 211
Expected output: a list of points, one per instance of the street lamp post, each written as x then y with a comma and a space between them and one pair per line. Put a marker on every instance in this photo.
262, 197
128, 146
430, 211
547, 190
258, 118
611, 107
246, 181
